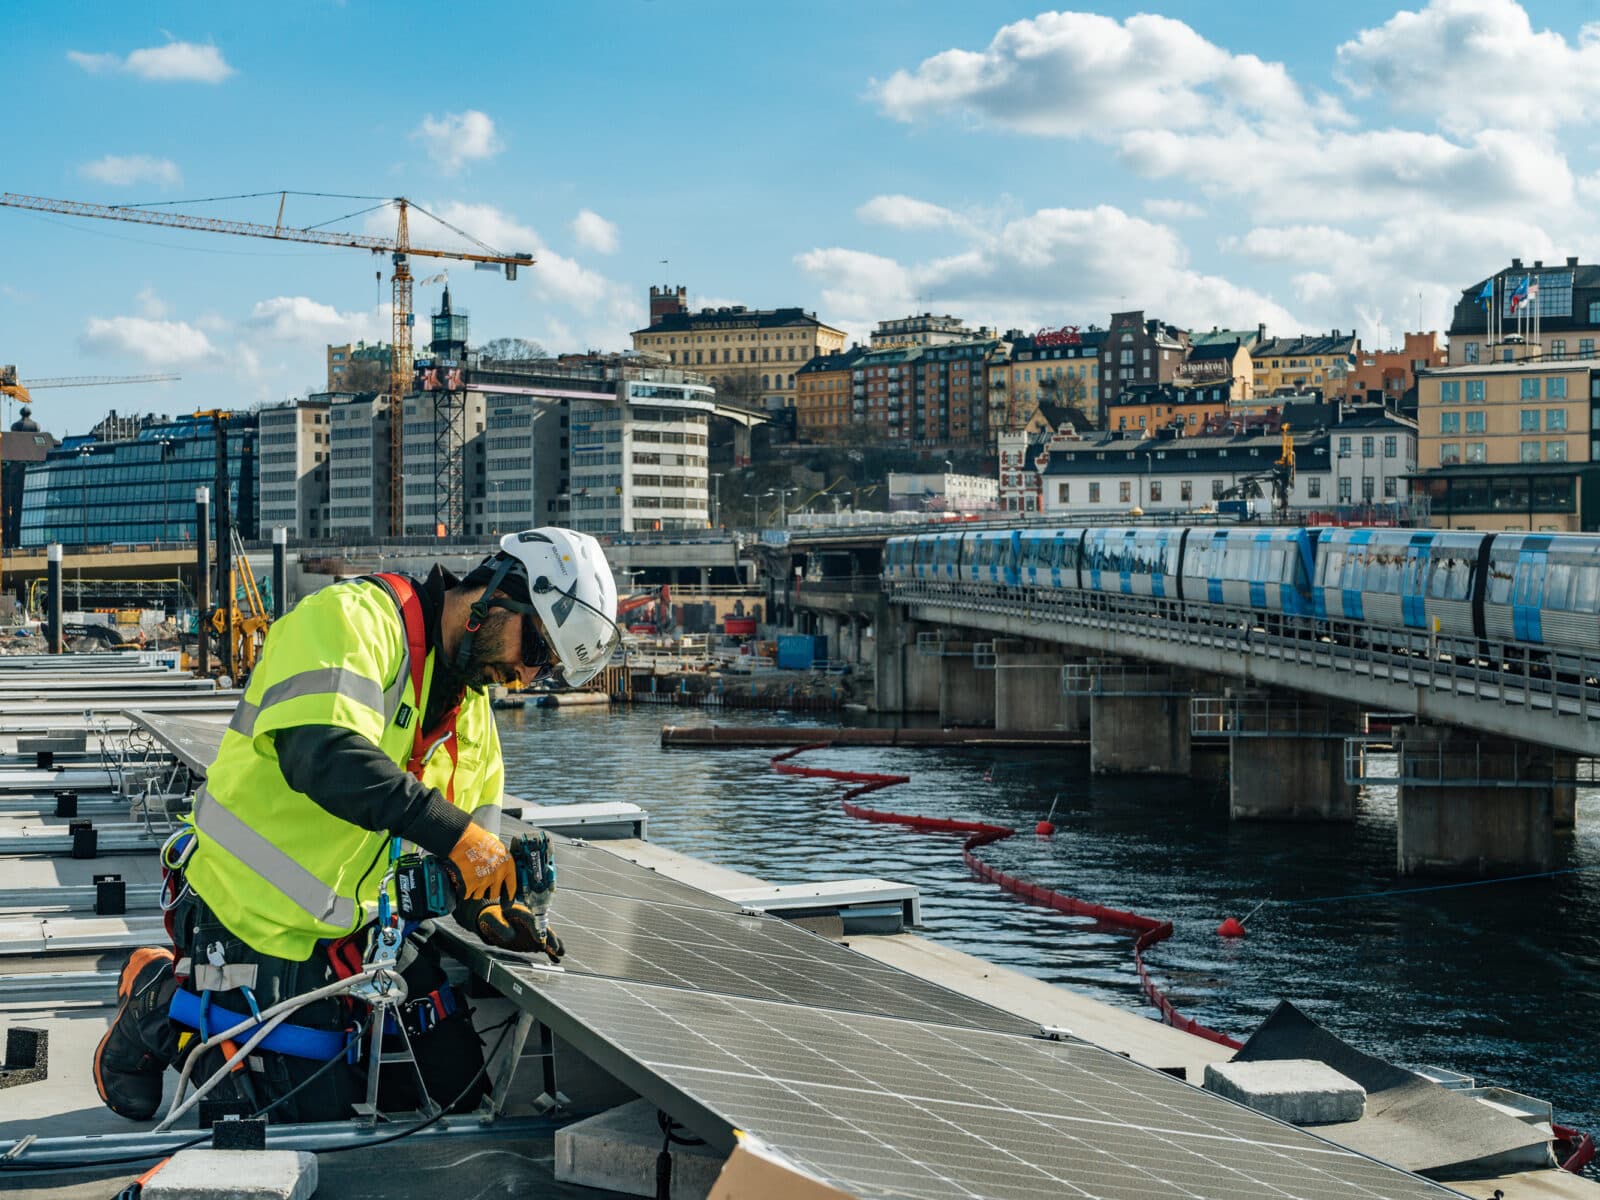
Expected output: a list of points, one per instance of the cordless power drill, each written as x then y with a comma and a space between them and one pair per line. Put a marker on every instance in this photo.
428, 886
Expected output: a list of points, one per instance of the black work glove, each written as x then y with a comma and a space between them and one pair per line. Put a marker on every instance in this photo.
508, 927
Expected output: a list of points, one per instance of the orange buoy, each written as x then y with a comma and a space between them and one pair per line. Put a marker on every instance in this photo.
1230, 929
1044, 829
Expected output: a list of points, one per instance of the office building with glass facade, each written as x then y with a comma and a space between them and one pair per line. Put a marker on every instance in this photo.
139, 490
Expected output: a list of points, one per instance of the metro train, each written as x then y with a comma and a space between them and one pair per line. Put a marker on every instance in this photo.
1538, 589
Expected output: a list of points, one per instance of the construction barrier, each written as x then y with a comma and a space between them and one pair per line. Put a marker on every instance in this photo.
979, 833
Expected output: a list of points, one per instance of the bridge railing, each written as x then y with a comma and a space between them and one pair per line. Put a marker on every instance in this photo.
1496, 672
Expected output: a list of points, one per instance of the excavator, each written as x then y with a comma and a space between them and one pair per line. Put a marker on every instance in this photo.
1280, 478
654, 609
247, 627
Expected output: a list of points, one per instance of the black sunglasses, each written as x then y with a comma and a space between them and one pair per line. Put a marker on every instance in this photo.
535, 650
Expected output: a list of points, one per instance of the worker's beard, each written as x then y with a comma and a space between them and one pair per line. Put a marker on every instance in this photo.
486, 659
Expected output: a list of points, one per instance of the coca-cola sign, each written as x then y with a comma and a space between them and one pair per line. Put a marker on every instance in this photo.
1067, 335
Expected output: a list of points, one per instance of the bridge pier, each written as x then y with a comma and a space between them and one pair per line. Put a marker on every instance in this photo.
1286, 757
1138, 716
1471, 806
966, 685
1027, 689
905, 680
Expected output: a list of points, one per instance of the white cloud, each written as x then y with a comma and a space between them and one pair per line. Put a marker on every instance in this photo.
151, 305
1472, 64
1066, 73
909, 213
129, 169
1173, 210
302, 319
456, 139
593, 232
176, 62
159, 343
1017, 271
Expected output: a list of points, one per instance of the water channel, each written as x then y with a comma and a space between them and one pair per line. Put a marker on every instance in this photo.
1501, 982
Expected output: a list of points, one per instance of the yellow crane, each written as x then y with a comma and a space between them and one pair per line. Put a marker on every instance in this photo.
11, 388
398, 247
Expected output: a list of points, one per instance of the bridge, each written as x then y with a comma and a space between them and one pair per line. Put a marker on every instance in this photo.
1490, 740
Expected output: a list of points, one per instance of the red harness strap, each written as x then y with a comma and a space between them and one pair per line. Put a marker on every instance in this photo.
417, 646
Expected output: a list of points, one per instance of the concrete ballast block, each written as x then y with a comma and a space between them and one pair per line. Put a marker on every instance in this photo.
224, 1174
1301, 1091
616, 1150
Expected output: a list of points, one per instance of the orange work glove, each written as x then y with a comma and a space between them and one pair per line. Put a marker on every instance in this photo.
483, 865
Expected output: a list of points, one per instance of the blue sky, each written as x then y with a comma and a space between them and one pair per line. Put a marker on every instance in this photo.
1307, 166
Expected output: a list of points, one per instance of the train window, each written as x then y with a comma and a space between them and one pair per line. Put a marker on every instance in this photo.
1499, 583
1558, 586
1330, 566
1586, 589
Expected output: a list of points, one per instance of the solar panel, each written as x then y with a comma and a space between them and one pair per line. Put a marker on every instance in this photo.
194, 742
585, 868
711, 950
881, 1106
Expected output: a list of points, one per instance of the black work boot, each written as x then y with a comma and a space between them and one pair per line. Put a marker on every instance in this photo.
141, 1042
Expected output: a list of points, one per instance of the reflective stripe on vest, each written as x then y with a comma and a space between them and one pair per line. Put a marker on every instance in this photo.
358, 689
279, 869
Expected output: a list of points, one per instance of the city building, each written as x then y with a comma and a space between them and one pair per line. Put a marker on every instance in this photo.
21, 447
1388, 376
639, 456
1219, 362
1248, 338
358, 474
1059, 367
346, 375
1560, 320
1294, 364
1021, 487
1374, 455
924, 330
440, 461
1174, 474
1508, 445
525, 455
942, 491
749, 356
293, 453
1137, 353
139, 489
115, 427
1194, 406
825, 408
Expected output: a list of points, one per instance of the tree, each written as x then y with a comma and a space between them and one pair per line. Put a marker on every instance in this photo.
364, 375
511, 349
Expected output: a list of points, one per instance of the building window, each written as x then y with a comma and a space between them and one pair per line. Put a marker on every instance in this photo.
1314, 487
1449, 454
1469, 352
1594, 312
1391, 445
1389, 489
1555, 451
1450, 391
1474, 391
1344, 444
1344, 489
1555, 420
1155, 491
1585, 347
1094, 493
1368, 447
1529, 420
1558, 347
1530, 389
1186, 490
1367, 488
1529, 452
1216, 489
1555, 388
1477, 421
1449, 422
1063, 493
1477, 452
1124, 491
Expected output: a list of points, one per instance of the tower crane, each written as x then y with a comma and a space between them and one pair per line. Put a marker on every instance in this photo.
13, 389
399, 247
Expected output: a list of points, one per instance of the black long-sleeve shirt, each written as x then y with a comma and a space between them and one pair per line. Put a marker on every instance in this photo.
356, 781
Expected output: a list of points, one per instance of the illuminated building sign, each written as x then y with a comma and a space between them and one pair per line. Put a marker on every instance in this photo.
1067, 335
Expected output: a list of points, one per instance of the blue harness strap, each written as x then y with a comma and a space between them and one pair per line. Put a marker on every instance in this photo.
297, 1041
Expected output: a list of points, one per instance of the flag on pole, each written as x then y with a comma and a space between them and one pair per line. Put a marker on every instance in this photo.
1486, 296
1519, 295
1530, 291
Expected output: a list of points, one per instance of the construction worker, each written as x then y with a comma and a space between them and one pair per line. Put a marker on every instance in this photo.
365, 720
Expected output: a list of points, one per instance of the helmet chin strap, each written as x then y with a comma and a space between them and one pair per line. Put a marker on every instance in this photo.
480, 610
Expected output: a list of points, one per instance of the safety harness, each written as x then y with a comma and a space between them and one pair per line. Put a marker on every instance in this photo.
197, 1011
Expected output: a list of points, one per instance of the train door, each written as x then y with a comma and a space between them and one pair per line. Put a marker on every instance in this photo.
1527, 595
1414, 585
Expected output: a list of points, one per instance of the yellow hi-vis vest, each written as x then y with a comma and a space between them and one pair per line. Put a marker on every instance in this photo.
279, 870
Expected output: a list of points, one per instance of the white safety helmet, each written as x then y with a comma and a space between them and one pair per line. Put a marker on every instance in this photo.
568, 586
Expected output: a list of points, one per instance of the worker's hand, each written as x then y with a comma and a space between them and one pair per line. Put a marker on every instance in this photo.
511, 927
483, 867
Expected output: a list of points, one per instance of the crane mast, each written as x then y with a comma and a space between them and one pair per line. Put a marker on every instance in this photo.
399, 248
